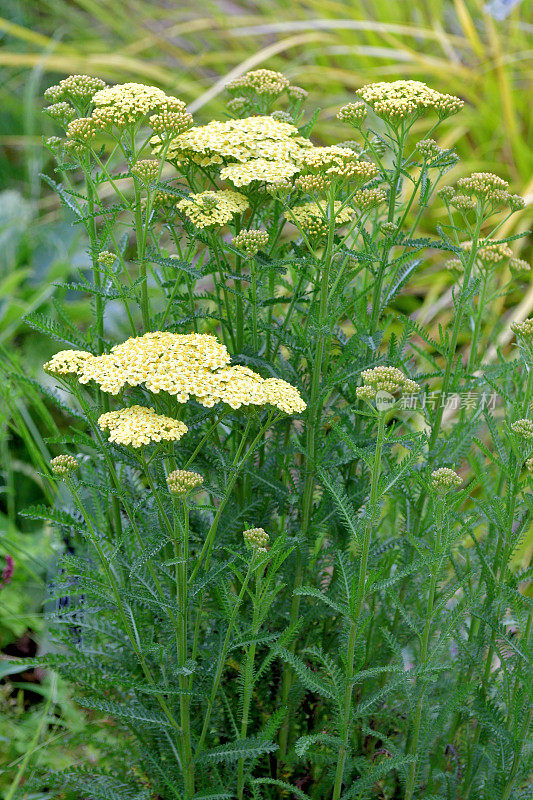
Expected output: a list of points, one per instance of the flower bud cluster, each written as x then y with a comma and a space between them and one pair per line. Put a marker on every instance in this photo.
444, 479
257, 539
106, 259
385, 379
147, 170
398, 100
250, 241
78, 88
63, 466
61, 112
354, 113
181, 482
523, 428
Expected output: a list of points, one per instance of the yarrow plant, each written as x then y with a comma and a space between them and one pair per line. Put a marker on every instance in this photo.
289, 574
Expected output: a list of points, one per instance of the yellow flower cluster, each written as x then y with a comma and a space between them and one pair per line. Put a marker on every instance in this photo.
181, 482
523, 428
131, 102
260, 81
444, 479
258, 169
184, 365
78, 88
400, 99
213, 208
236, 140
62, 466
250, 241
138, 425
67, 362
312, 218
257, 539
385, 379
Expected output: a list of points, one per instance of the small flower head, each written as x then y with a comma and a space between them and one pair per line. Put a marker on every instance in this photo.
138, 426
353, 113
236, 105
63, 466
366, 199
67, 362
213, 208
107, 259
146, 170
313, 184
263, 170
385, 379
446, 193
250, 241
256, 539
444, 479
171, 123
519, 266
82, 130
282, 116
297, 94
312, 217
516, 202
260, 82
529, 464
128, 103
78, 88
523, 428
181, 482
429, 149
61, 112
523, 330
401, 99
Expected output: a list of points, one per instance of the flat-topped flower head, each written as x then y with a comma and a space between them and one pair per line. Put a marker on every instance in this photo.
385, 379
261, 82
397, 100
67, 362
137, 426
250, 241
529, 465
183, 365
261, 170
337, 162
236, 140
78, 88
313, 219
128, 103
444, 480
181, 482
353, 113
63, 466
523, 428
213, 208
256, 539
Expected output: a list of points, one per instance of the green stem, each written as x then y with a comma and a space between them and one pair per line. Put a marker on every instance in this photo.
356, 612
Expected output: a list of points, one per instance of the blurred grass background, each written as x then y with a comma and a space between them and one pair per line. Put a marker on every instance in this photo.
330, 47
